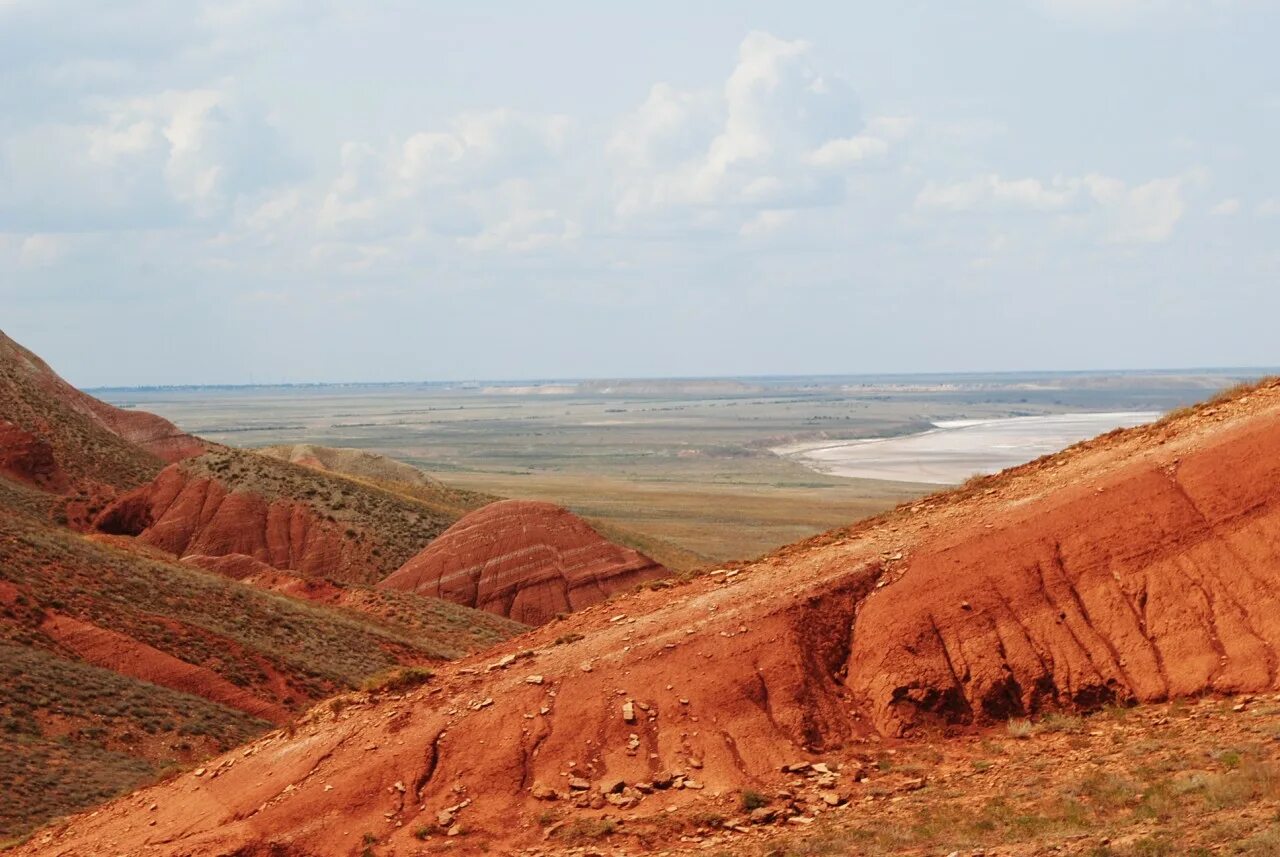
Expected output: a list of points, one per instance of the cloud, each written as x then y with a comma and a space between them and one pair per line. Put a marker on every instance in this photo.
992, 193
484, 147
152, 160
778, 136
39, 251
1121, 213
1226, 208
1143, 214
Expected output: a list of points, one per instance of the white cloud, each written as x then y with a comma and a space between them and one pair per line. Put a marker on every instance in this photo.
1226, 208
156, 158
766, 222
39, 251
778, 136
1269, 207
1144, 214
846, 151
991, 192
483, 147
1121, 214
670, 127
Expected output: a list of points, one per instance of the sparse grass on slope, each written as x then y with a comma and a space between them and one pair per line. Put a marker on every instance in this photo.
84, 448
398, 525
72, 734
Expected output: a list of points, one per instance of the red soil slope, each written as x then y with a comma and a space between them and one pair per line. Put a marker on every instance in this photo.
130, 657
1132, 567
184, 514
524, 560
29, 459
41, 400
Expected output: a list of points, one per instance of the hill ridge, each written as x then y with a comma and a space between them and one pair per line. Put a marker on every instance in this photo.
719, 683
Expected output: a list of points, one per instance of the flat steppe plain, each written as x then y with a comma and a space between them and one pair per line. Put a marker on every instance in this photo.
685, 464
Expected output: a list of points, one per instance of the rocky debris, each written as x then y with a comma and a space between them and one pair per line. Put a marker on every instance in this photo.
526, 560
543, 792
764, 815
629, 711
502, 663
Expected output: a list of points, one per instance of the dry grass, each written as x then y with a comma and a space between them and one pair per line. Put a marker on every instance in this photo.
72, 734
394, 525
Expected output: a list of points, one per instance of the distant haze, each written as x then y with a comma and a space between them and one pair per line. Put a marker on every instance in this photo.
295, 192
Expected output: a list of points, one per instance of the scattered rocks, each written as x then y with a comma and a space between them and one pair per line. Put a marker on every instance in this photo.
543, 792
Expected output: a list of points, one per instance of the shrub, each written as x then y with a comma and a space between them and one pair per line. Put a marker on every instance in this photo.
752, 799
1020, 728
400, 679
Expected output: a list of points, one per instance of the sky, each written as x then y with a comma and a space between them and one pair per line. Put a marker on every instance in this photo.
287, 191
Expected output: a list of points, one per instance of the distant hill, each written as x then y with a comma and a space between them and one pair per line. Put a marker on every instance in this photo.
290, 517
526, 560
380, 471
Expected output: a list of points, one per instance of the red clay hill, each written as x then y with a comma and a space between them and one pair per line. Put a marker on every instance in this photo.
86, 436
290, 517
116, 662
525, 560
1132, 568
60, 440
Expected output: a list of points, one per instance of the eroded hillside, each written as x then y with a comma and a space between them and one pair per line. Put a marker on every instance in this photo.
1126, 569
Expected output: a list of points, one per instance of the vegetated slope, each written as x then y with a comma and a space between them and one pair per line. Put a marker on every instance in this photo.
822, 651
85, 438
525, 560
290, 517
401, 478
383, 472
116, 665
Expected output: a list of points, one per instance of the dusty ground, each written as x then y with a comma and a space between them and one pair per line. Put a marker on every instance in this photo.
1192, 777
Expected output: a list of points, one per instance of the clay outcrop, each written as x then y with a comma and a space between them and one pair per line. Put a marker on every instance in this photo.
525, 560
184, 514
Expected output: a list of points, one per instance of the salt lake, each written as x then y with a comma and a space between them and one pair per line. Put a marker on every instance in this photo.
954, 450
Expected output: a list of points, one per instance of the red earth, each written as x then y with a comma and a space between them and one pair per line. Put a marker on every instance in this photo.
30, 459
1132, 568
154, 434
184, 515
525, 560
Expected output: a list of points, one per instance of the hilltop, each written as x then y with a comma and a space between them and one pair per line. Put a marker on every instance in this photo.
58, 439
291, 517
524, 560
1133, 569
